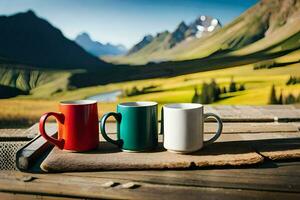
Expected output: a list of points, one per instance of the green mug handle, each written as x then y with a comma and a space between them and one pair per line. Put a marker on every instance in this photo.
117, 116
162, 122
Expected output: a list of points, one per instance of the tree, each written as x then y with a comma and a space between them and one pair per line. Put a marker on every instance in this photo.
280, 100
205, 98
224, 89
242, 87
289, 81
290, 99
134, 91
209, 94
265, 64
272, 98
196, 97
232, 86
213, 91
218, 92
295, 81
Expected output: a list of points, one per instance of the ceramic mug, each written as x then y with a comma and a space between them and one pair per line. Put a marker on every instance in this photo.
136, 126
183, 127
78, 128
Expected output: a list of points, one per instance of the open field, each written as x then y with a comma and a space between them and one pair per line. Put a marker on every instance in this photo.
26, 110
181, 88
257, 82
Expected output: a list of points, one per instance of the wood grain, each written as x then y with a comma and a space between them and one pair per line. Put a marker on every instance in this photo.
109, 157
256, 125
27, 155
91, 187
14, 135
18, 196
270, 113
208, 128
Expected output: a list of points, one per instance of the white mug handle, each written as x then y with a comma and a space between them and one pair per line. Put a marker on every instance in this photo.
219, 130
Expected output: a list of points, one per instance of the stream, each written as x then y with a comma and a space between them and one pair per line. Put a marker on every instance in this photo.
111, 96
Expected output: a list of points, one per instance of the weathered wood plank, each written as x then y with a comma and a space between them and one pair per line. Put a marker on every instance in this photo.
252, 136
271, 113
16, 196
253, 127
93, 188
28, 134
27, 155
246, 131
51, 128
109, 157
14, 135
24, 134
225, 178
297, 124
208, 128
279, 149
239, 128
240, 114
249, 132
281, 169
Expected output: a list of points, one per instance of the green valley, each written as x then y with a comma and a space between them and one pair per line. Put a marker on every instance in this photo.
259, 49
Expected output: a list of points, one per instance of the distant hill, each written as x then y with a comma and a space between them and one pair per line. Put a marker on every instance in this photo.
147, 46
98, 49
28, 39
269, 31
144, 42
150, 48
266, 25
7, 91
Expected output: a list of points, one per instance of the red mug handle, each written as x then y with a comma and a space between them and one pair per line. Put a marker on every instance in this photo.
60, 117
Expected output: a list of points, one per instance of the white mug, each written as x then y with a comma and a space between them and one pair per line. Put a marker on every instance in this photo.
183, 127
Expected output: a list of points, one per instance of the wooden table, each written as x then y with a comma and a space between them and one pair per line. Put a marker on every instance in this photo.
269, 180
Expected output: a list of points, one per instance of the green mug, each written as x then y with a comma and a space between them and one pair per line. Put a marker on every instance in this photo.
136, 126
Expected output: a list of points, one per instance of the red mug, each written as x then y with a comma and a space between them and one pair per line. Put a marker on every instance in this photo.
78, 128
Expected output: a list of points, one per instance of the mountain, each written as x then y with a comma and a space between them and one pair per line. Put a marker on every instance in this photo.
157, 43
178, 35
28, 39
269, 31
151, 47
269, 26
145, 41
266, 26
98, 49
203, 25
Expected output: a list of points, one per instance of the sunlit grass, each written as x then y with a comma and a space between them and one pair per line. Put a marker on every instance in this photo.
24, 112
28, 109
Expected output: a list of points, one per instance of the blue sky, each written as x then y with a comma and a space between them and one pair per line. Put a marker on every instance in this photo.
124, 21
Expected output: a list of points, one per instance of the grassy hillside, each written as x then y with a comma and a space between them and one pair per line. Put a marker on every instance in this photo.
27, 109
265, 38
181, 88
267, 31
35, 81
265, 25
158, 44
